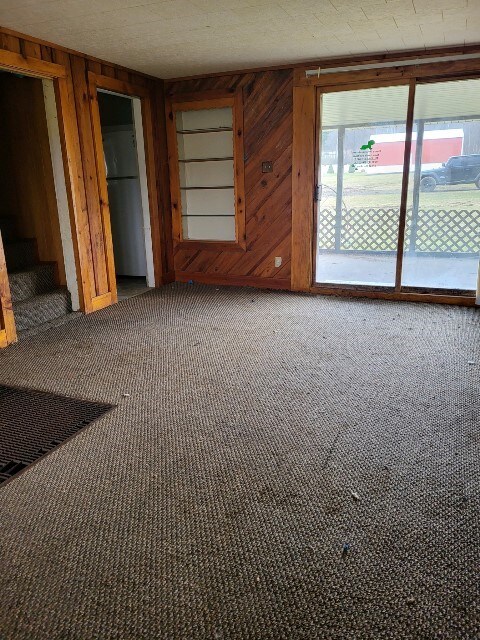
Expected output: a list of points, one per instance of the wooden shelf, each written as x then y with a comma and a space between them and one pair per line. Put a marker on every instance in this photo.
203, 188
216, 130
206, 160
209, 215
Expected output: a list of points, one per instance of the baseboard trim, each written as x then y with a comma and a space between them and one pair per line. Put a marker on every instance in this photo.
234, 281
168, 277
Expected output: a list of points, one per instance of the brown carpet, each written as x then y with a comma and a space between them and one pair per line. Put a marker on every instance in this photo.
264, 433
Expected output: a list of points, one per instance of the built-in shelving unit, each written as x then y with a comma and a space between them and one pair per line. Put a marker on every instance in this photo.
206, 167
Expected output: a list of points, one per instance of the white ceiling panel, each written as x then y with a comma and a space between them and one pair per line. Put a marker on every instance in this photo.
169, 38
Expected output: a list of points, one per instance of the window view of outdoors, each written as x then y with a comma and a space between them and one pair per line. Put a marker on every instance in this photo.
442, 241
360, 176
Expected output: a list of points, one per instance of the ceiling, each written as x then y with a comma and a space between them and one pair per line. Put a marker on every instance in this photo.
171, 38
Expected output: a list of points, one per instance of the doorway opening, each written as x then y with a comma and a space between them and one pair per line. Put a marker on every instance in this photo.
123, 147
371, 230
34, 213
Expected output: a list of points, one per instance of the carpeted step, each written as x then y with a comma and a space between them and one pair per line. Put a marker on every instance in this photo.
20, 254
39, 309
36, 281
8, 228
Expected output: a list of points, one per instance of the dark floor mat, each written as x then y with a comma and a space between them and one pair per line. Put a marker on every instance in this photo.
33, 423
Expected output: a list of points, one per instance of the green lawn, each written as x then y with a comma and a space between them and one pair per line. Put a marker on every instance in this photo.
383, 190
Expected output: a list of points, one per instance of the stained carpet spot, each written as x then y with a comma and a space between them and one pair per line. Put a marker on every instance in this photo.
33, 423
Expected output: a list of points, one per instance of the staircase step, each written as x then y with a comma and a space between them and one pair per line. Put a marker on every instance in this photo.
20, 254
8, 228
32, 282
39, 309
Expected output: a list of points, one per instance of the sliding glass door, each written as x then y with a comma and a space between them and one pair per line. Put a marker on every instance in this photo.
373, 143
360, 182
442, 239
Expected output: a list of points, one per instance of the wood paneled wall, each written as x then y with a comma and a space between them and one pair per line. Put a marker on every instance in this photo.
91, 227
268, 125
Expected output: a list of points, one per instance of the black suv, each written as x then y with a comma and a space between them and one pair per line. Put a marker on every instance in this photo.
457, 170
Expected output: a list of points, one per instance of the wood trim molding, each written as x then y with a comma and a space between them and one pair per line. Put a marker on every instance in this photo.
239, 171
99, 81
303, 185
30, 66
404, 191
207, 100
99, 281
343, 61
117, 86
74, 180
8, 332
196, 96
67, 119
105, 300
102, 189
59, 49
233, 281
464, 301
405, 72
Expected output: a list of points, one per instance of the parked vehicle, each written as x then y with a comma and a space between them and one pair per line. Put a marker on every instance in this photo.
457, 170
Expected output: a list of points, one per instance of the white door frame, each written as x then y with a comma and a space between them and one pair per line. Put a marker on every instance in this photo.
61, 191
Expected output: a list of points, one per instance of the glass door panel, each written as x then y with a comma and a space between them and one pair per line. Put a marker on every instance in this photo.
442, 239
359, 185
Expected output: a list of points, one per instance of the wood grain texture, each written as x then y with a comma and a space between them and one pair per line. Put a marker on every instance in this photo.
268, 108
464, 301
8, 333
165, 240
89, 164
69, 70
147, 97
404, 192
303, 187
106, 229
405, 72
74, 182
234, 281
13, 59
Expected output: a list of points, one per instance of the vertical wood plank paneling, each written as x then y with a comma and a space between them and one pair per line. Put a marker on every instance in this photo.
10, 43
163, 178
102, 189
82, 102
72, 161
32, 49
151, 160
93, 255
304, 111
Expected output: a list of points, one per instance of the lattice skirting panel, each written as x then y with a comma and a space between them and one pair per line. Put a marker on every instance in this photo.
433, 230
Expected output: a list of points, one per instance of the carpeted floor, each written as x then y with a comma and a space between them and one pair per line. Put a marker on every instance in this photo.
263, 432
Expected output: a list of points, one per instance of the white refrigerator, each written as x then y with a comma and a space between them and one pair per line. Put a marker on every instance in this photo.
124, 196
